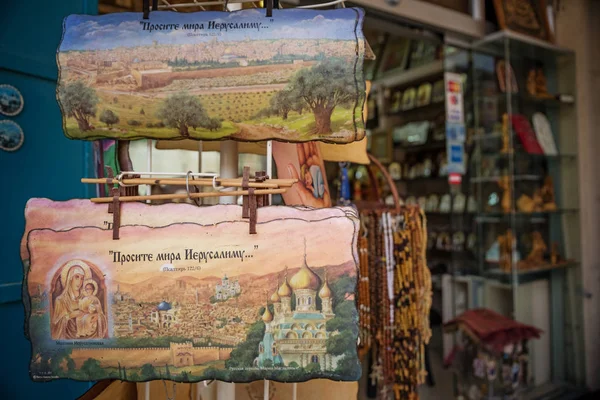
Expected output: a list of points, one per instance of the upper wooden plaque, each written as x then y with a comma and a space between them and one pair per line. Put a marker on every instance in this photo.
213, 75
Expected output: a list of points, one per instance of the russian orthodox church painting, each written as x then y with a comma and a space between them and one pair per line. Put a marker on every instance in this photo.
195, 299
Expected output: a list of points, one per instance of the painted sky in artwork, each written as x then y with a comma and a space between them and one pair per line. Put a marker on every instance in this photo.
85, 32
278, 244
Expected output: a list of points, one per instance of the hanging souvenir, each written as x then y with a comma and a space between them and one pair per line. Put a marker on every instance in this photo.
424, 94
304, 162
491, 371
396, 104
432, 203
409, 99
412, 134
395, 171
214, 75
526, 135
458, 241
471, 241
112, 307
443, 241
11, 135
504, 70
475, 393
458, 207
515, 372
442, 164
438, 92
11, 100
345, 186
413, 172
506, 374
445, 203
431, 240
427, 167
479, 367
543, 133
471, 205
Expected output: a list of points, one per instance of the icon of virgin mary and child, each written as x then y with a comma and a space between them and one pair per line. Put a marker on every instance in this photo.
77, 311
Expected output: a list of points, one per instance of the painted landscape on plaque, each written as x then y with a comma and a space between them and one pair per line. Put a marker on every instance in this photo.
214, 75
160, 303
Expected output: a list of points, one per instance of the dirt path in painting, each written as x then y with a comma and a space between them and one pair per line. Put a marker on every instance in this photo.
256, 132
200, 91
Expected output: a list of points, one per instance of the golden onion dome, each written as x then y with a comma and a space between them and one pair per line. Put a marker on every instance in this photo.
305, 279
275, 297
285, 290
267, 316
325, 291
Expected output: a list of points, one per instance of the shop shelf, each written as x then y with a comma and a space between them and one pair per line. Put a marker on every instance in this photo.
427, 147
494, 217
526, 275
541, 157
411, 76
494, 179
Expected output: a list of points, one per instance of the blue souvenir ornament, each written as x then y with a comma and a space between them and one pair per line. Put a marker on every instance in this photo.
344, 185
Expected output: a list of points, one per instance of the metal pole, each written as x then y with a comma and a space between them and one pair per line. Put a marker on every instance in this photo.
149, 165
270, 165
229, 166
266, 390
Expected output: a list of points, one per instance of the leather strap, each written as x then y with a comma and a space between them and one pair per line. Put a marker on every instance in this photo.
245, 180
116, 212
252, 206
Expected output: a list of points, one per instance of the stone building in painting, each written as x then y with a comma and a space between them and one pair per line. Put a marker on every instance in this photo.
165, 315
227, 289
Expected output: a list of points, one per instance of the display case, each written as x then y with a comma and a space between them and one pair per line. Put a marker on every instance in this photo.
523, 174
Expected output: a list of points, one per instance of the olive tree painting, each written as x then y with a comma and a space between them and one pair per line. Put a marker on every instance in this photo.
159, 304
295, 77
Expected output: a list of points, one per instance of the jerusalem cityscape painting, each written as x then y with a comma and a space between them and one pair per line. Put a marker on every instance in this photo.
191, 301
295, 77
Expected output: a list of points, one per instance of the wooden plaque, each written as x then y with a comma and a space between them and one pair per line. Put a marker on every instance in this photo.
192, 300
524, 16
295, 77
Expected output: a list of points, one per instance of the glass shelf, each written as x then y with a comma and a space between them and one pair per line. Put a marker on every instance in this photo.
432, 146
423, 179
449, 214
436, 107
516, 178
530, 273
494, 217
520, 155
531, 100
519, 45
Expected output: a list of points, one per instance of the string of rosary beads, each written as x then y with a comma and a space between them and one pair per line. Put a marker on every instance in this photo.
364, 297
397, 340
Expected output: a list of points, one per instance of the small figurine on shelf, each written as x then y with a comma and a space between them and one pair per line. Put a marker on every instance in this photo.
538, 201
554, 254
505, 135
547, 195
541, 88
505, 245
504, 184
531, 83
536, 256
525, 204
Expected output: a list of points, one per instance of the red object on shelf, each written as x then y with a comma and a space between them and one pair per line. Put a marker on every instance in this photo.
493, 329
526, 134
